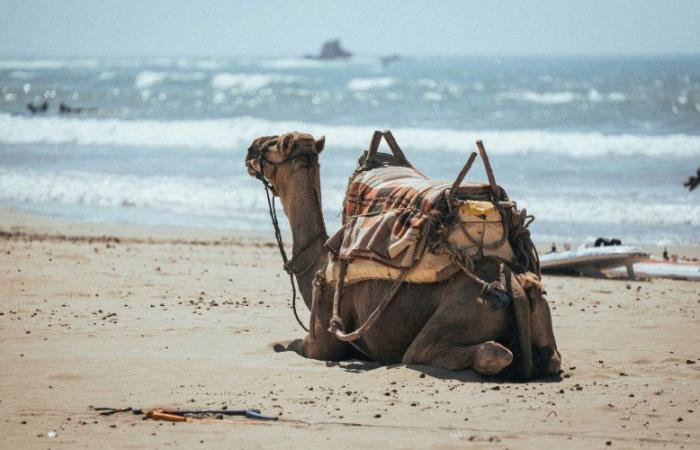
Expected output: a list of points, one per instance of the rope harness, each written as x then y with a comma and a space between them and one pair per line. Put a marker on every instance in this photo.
287, 264
499, 293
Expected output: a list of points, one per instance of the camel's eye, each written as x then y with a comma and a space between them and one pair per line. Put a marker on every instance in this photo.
301, 163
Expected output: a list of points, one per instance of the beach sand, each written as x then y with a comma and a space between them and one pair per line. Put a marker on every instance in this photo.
97, 315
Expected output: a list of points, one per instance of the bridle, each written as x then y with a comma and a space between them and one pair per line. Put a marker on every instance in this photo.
271, 193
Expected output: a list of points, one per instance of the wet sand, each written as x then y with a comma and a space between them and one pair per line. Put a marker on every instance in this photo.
94, 315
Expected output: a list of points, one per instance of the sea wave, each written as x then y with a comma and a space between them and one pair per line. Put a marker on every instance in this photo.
148, 78
559, 98
620, 211
237, 195
249, 81
240, 131
180, 195
48, 64
310, 63
365, 84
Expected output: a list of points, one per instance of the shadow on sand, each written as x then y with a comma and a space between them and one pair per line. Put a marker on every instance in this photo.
363, 365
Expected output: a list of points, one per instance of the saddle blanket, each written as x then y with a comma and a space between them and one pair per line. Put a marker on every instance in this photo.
387, 215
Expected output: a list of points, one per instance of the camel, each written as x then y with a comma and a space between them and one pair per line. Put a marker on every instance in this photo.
446, 324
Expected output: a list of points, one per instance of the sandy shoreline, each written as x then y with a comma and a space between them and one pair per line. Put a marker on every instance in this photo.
185, 317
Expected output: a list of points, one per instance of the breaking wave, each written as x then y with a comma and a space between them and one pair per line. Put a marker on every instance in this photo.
48, 64
249, 81
147, 78
179, 195
613, 210
237, 196
240, 131
365, 84
311, 63
558, 98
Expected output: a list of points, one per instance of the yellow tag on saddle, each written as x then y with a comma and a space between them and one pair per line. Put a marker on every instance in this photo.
475, 208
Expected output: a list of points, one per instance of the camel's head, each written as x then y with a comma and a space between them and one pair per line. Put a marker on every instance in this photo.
277, 159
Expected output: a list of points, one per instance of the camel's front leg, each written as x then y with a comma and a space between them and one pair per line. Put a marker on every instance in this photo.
322, 345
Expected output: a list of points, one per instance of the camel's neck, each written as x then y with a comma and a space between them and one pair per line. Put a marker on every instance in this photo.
302, 205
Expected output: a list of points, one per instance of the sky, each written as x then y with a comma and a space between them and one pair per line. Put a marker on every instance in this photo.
62, 28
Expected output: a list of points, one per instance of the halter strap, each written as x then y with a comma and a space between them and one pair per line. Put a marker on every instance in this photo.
287, 264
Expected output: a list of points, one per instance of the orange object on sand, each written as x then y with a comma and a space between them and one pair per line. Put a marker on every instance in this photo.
159, 414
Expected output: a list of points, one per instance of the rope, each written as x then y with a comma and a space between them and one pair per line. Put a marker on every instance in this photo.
287, 264
285, 261
527, 258
280, 245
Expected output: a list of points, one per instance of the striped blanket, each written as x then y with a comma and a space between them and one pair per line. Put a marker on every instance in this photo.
387, 213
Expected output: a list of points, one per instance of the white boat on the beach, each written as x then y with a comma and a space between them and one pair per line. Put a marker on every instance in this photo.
593, 260
655, 267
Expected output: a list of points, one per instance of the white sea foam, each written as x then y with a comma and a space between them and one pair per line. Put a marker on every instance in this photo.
147, 79
309, 63
203, 196
211, 197
612, 210
431, 96
616, 97
546, 98
48, 64
238, 132
292, 63
365, 84
247, 82
559, 98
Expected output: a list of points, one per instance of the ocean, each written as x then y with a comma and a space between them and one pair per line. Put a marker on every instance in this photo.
592, 146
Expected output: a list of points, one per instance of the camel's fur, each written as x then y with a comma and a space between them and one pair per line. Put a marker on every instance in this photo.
445, 324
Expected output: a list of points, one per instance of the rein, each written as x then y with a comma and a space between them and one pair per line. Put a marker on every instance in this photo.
287, 264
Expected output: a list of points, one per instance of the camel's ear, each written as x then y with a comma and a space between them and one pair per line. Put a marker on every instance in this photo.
320, 143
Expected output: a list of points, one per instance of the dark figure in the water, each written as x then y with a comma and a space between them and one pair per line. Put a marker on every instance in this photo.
65, 109
35, 109
693, 181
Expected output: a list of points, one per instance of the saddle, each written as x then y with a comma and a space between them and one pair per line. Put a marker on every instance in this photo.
397, 223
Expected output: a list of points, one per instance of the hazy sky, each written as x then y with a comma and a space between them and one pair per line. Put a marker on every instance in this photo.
290, 28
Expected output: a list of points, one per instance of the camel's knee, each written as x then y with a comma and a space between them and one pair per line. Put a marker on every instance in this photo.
491, 357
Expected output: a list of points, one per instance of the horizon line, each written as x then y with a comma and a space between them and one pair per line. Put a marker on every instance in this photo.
359, 56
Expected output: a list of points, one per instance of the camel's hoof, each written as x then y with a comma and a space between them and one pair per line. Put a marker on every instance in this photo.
294, 345
491, 358
282, 346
